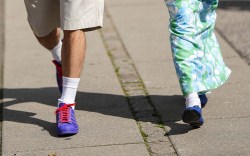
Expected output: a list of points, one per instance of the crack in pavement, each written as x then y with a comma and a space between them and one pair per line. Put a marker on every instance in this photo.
148, 120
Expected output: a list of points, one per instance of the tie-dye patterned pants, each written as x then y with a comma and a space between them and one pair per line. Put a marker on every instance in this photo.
196, 52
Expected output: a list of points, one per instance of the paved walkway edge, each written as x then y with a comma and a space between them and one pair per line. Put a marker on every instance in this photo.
148, 120
231, 44
1, 66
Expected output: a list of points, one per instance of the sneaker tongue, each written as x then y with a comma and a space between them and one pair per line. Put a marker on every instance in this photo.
61, 104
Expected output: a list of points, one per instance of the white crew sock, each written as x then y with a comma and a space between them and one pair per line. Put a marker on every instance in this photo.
193, 99
56, 52
70, 86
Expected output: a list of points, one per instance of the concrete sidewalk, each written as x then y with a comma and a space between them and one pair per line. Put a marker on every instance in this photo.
129, 101
1, 65
234, 25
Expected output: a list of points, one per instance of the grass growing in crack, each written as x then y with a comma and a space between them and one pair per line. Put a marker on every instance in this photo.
140, 83
117, 69
145, 138
144, 135
160, 126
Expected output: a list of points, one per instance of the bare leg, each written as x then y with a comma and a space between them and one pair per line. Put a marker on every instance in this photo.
73, 53
51, 40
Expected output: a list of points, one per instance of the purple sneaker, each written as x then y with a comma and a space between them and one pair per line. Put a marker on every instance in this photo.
65, 120
193, 116
59, 74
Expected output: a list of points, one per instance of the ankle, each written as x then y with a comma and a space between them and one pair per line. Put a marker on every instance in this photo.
193, 99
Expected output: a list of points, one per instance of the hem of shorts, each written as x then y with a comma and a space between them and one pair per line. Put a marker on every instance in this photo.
95, 21
82, 25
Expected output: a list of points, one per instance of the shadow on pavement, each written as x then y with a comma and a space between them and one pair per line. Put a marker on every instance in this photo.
234, 5
108, 104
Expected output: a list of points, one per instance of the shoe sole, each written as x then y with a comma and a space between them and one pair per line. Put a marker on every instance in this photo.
67, 133
192, 117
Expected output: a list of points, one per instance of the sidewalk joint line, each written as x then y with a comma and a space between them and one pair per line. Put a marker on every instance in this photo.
232, 46
1, 67
215, 118
78, 147
139, 101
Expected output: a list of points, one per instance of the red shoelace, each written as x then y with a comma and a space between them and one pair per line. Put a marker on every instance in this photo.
64, 112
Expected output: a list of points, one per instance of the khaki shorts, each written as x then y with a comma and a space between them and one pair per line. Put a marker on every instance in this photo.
46, 15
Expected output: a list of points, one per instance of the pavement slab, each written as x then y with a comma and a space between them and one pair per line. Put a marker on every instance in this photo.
217, 137
110, 150
233, 23
30, 97
152, 56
